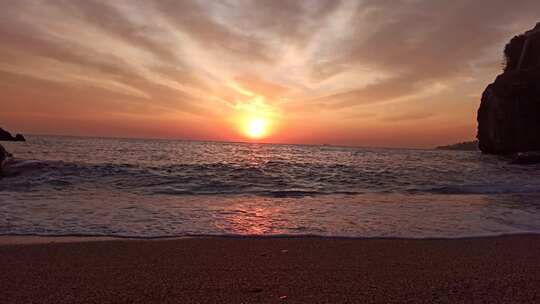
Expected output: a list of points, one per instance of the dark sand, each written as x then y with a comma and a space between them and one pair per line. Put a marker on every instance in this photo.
274, 270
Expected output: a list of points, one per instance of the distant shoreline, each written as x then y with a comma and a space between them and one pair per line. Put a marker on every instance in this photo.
231, 142
462, 146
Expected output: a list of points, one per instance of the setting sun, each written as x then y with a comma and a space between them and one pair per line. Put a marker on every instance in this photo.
256, 128
308, 130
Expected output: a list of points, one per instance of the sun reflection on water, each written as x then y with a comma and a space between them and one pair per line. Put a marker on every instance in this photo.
248, 219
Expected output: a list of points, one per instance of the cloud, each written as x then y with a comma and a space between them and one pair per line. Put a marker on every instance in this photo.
413, 116
421, 42
307, 59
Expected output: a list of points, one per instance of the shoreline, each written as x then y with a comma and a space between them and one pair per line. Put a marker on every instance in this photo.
499, 269
7, 239
32, 239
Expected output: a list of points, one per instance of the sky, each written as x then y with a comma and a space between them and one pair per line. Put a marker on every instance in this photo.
385, 73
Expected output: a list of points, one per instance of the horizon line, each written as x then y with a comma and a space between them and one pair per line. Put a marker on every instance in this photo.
227, 141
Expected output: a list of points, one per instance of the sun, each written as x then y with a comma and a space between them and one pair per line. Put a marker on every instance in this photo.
256, 128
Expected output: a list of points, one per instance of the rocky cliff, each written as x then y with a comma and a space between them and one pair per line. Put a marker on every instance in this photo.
509, 114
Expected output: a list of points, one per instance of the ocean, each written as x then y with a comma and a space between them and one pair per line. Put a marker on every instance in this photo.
164, 188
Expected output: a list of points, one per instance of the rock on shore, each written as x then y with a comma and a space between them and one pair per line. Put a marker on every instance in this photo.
6, 136
509, 114
3, 157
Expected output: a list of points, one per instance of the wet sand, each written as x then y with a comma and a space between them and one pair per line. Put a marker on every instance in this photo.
273, 270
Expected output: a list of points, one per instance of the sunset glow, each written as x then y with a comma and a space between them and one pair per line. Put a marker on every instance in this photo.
340, 72
282, 138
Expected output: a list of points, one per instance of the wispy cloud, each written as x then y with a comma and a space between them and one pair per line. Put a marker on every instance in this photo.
302, 59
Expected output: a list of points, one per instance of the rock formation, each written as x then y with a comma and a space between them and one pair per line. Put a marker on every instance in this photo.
509, 114
3, 157
6, 136
527, 158
3, 153
463, 146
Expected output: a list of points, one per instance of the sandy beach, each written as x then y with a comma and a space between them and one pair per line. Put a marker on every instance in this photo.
271, 270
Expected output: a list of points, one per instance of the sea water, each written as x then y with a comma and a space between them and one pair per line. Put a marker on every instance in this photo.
165, 188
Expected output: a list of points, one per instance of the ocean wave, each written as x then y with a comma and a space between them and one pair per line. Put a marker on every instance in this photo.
270, 236
271, 178
482, 189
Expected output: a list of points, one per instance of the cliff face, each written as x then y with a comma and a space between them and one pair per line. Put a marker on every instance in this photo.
509, 114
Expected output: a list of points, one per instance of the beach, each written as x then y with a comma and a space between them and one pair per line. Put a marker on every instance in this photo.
502, 269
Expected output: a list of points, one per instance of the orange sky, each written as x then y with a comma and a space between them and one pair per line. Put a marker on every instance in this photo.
371, 73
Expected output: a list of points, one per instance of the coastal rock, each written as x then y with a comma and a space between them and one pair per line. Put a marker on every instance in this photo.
509, 113
6, 136
463, 146
529, 158
4, 155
